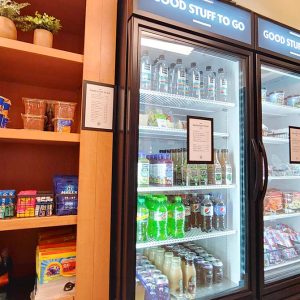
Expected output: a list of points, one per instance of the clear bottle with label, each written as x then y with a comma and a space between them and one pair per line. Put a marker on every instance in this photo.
215, 170
179, 78
154, 75
226, 167
222, 86
146, 71
143, 170
193, 80
210, 84
203, 174
190, 278
162, 75
207, 212
176, 277
202, 85
193, 175
171, 76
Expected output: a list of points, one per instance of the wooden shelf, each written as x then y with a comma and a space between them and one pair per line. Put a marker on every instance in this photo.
36, 136
40, 66
36, 222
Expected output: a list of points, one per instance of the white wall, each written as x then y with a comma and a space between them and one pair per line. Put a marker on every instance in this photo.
284, 11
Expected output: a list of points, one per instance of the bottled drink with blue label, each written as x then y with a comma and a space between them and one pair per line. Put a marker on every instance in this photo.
162, 75
210, 82
193, 79
222, 85
219, 213
142, 220
179, 78
146, 72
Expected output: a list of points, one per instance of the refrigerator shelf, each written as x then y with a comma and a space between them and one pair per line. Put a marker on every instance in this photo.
285, 264
182, 102
166, 189
283, 177
167, 133
281, 216
272, 109
274, 140
193, 235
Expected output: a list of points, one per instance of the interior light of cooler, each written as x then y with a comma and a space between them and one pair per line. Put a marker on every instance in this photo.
276, 71
162, 45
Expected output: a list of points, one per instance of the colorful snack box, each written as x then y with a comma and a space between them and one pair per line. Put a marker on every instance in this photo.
7, 203
26, 204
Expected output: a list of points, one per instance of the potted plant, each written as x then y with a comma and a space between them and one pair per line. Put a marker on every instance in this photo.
43, 25
9, 13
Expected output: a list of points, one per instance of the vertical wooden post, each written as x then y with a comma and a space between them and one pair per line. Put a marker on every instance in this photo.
95, 171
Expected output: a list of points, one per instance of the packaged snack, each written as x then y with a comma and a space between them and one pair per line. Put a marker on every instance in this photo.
293, 101
26, 204
273, 202
44, 204
5, 107
33, 122
35, 107
64, 110
62, 125
7, 203
277, 97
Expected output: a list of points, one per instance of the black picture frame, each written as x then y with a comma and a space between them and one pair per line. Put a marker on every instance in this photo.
85, 83
188, 140
290, 149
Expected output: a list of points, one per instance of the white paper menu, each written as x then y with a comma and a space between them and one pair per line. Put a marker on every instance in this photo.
98, 110
200, 140
294, 145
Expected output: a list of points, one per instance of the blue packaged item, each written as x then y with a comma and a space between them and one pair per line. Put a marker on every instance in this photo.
3, 121
7, 203
1, 104
66, 194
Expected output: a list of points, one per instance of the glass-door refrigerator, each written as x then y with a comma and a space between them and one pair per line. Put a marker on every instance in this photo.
185, 226
279, 205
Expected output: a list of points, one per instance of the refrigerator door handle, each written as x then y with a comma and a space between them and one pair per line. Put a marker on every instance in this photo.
256, 158
266, 171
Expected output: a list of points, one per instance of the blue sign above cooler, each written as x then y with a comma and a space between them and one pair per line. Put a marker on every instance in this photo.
278, 39
208, 15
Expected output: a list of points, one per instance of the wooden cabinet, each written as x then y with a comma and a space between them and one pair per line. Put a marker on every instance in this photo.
84, 50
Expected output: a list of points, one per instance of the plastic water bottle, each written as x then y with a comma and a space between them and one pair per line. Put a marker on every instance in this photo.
154, 75
207, 212
193, 76
160, 217
171, 74
202, 85
222, 86
210, 84
179, 78
219, 214
145, 79
142, 220
162, 75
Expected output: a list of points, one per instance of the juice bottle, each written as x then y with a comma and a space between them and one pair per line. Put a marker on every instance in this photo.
160, 217
190, 278
175, 277
142, 220
226, 167
143, 170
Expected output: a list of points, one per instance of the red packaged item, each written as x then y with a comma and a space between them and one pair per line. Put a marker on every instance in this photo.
26, 204
273, 202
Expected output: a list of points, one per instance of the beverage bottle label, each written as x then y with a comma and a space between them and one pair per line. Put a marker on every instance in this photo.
143, 173
211, 84
192, 285
228, 175
169, 174
195, 207
207, 211
187, 210
142, 216
179, 215
146, 72
223, 87
160, 216
220, 210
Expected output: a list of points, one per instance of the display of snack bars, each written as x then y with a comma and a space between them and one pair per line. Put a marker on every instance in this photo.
7, 203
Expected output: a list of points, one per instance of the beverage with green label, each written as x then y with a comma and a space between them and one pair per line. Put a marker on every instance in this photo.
142, 220
150, 204
178, 218
143, 170
160, 218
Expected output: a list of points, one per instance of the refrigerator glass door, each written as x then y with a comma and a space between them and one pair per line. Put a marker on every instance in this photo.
280, 109
191, 218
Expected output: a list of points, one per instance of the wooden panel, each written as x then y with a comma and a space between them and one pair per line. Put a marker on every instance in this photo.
36, 136
26, 223
93, 247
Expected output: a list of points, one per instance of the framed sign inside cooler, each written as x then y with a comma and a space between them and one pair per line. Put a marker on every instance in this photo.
200, 140
294, 144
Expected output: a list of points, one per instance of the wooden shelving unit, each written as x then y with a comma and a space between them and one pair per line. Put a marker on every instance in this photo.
38, 222
35, 136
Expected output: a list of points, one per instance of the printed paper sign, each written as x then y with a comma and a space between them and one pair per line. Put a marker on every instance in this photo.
294, 145
200, 140
98, 107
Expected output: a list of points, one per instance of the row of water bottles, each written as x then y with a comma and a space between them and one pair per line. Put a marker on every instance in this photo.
180, 80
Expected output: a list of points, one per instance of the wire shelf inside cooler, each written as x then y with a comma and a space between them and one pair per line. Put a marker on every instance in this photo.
167, 100
179, 134
193, 235
180, 189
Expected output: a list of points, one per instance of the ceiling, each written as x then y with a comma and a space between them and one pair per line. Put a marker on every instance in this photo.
286, 12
